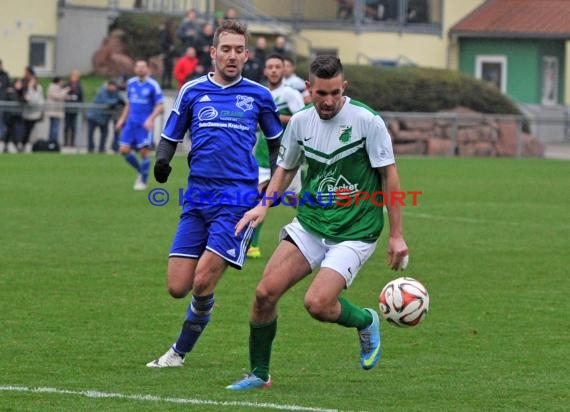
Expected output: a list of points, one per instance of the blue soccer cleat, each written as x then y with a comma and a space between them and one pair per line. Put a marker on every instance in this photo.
370, 349
250, 382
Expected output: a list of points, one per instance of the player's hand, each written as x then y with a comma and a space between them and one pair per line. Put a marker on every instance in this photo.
149, 124
254, 217
161, 170
397, 253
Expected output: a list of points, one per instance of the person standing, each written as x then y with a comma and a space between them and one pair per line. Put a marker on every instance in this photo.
107, 98
189, 29
56, 96
221, 111
167, 52
346, 144
4, 86
186, 66
75, 95
144, 104
33, 109
288, 101
15, 128
292, 80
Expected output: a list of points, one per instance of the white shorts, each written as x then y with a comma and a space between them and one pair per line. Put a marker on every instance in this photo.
264, 175
295, 186
346, 257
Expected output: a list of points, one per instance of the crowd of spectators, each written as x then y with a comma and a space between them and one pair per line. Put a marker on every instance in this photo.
185, 52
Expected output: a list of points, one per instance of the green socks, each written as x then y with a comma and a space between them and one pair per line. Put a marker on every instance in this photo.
255, 237
353, 316
260, 341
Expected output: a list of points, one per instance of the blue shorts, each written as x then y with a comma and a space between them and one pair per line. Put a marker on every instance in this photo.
135, 136
212, 228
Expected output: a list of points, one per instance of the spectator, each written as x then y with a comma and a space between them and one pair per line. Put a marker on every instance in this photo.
120, 106
75, 95
33, 109
4, 82
186, 66
261, 49
4, 86
203, 44
253, 69
220, 16
167, 52
189, 29
56, 95
280, 46
345, 9
98, 117
14, 120
231, 14
292, 80
29, 72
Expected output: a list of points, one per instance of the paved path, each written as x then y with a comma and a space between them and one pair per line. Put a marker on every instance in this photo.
557, 151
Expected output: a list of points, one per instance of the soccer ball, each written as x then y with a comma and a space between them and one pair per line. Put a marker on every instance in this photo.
404, 302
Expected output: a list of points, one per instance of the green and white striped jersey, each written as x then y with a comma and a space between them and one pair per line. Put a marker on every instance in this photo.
288, 101
341, 153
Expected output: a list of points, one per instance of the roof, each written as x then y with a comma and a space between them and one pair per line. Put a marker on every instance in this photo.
517, 18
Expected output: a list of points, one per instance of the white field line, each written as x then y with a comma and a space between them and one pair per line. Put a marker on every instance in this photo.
153, 398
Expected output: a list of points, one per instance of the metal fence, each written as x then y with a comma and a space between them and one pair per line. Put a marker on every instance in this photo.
431, 134
41, 128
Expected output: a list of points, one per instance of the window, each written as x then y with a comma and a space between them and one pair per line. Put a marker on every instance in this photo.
492, 69
324, 52
41, 56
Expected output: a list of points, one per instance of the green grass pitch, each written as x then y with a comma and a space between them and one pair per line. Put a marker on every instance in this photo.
83, 304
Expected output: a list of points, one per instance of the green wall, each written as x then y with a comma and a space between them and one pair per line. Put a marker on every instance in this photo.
524, 63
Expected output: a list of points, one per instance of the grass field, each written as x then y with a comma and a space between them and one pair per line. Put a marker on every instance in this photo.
84, 307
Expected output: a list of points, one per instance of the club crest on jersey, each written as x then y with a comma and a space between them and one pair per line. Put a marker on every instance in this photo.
345, 133
244, 102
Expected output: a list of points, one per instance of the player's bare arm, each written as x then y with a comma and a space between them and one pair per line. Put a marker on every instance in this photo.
123, 116
397, 247
149, 122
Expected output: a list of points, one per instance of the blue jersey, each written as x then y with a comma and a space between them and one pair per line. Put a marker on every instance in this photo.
222, 121
143, 97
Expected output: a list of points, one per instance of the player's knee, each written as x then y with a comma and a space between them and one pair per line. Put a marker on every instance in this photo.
178, 291
317, 307
203, 285
264, 298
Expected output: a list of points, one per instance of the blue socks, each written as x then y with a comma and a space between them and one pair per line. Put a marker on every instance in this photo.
145, 166
131, 159
197, 317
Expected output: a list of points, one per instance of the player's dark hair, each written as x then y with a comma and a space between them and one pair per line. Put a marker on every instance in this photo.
326, 67
275, 56
289, 59
230, 26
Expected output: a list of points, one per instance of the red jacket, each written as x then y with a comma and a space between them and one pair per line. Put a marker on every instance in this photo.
184, 67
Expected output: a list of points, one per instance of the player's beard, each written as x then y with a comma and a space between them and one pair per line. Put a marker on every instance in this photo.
229, 77
329, 114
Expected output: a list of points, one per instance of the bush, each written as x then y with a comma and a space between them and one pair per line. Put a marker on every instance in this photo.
141, 30
414, 89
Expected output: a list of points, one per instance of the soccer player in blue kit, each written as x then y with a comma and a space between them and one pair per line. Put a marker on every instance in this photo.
221, 110
144, 105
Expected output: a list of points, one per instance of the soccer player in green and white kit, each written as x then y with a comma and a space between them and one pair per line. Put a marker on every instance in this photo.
288, 101
346, 145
